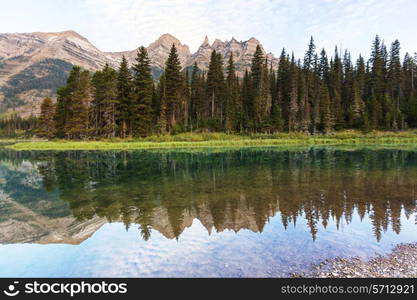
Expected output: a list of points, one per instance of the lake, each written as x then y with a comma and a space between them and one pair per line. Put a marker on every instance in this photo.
218, 213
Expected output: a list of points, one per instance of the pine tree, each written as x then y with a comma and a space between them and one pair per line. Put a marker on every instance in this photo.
77, 123
377, 83
162, 122
311, 72
395, 80
264, 101
103, 111
326, 118
46, 124
172, 97
64, 101
304, 104
347, 84
261, 99
356, 107
309, 56
143, 91
293, 123
185, 96
194, 96
324, 68
336, 78
283, 88
124, 94
410, 92
215, 90
232, 99
246, 99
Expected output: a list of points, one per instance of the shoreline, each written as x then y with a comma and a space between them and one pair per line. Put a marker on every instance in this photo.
401, 262
223, 140
99, 145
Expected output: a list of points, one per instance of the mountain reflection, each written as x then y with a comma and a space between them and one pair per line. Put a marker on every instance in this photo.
233, 190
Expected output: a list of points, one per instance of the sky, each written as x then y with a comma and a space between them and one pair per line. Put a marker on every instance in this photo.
120, 25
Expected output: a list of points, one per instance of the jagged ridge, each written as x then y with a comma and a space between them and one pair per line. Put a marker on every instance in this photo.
21, 51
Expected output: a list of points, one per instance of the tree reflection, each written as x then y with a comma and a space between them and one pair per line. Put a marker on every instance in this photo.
234, 190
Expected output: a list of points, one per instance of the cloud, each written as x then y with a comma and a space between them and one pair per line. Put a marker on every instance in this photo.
117, 25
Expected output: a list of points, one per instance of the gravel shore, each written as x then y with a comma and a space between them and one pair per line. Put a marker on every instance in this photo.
401, 262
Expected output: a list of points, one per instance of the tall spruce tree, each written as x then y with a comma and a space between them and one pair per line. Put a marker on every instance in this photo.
46, 123
124, 94
233, 106
103, 111
259, 100
77, 123
173, 80
64, 103
395, 81
293, 110
377, 83
143, 92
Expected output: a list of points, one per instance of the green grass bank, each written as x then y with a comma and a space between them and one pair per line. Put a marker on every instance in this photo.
222, 140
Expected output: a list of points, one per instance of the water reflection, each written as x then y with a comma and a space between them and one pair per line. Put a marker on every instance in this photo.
64, 197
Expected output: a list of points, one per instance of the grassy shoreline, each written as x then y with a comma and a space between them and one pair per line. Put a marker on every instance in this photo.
221, 140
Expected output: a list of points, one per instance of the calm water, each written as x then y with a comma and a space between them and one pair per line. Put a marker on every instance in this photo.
240, 213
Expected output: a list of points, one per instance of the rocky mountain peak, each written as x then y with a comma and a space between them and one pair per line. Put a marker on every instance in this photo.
218, 44
159, 50
39, 54
242, 53
253, 40
166, 40
206, 42
69, 34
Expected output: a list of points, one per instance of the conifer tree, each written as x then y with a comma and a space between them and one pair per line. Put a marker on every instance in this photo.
247, 96
377, 82
232, 101
64, 101
77, 123
124, 94
143, 92
326, 117
293, 124
194, 95
356, 118
215, 90
172, 98
46, 123
309, 56
395, 80
335, 89
347, 90
260, 88
104, 106
162, 121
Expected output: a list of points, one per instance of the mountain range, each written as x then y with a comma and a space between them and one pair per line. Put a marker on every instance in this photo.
34, 65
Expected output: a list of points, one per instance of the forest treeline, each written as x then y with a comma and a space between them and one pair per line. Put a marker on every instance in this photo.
318, 94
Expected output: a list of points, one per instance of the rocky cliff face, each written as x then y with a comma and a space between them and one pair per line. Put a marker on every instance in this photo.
21, 50
242, 53
34, 65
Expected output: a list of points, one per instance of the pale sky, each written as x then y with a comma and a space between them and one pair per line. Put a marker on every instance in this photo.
117, 25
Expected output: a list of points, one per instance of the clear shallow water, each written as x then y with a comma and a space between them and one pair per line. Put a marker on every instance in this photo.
240, 213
